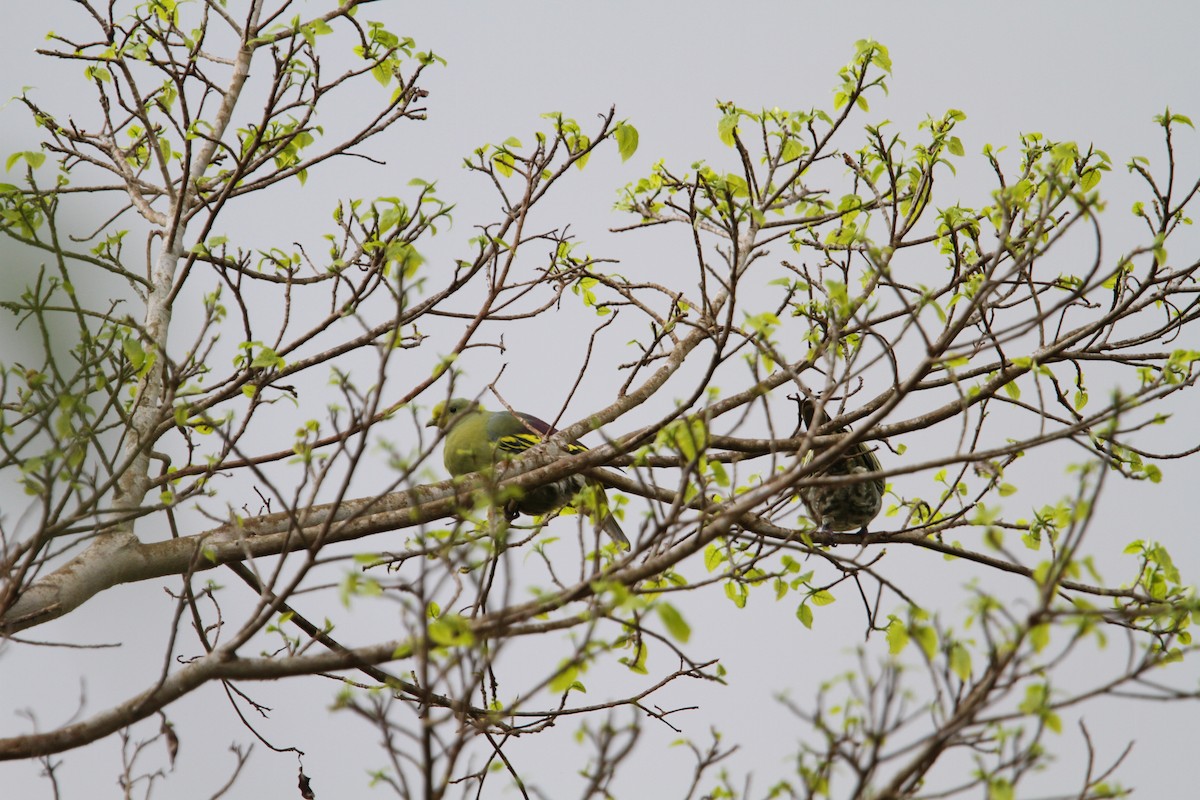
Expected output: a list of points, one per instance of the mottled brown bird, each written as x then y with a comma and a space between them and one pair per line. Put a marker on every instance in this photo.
844, 506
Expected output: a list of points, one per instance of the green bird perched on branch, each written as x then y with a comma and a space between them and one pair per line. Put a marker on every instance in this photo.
849, 505
477, 439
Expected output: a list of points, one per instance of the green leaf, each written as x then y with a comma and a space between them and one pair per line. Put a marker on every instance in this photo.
1039, 636
713, 557
32, 159
726, 128
926, 637
805, 615
897, 636
266, 358
382, 72
98, 73
638, 663
822, 597
627, 140
134, 352
960, 662
676, 625
1000, 789
504, 164
1035, 698
451, 630
792, 149
717, 469
565, 680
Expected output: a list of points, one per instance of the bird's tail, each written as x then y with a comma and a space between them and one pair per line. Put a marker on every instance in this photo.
613, 529
595, 501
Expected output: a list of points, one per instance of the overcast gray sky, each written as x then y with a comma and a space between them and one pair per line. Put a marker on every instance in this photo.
1094, 72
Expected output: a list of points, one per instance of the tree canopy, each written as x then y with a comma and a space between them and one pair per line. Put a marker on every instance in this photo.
202, 398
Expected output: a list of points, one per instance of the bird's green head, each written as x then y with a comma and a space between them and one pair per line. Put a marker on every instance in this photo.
447, 413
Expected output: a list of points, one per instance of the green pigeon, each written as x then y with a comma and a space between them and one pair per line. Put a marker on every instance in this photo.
846, 506
476, 439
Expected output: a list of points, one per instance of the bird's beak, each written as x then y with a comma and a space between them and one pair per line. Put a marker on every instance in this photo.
431, 424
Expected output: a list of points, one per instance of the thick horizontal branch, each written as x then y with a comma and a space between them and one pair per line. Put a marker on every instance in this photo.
114, 560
